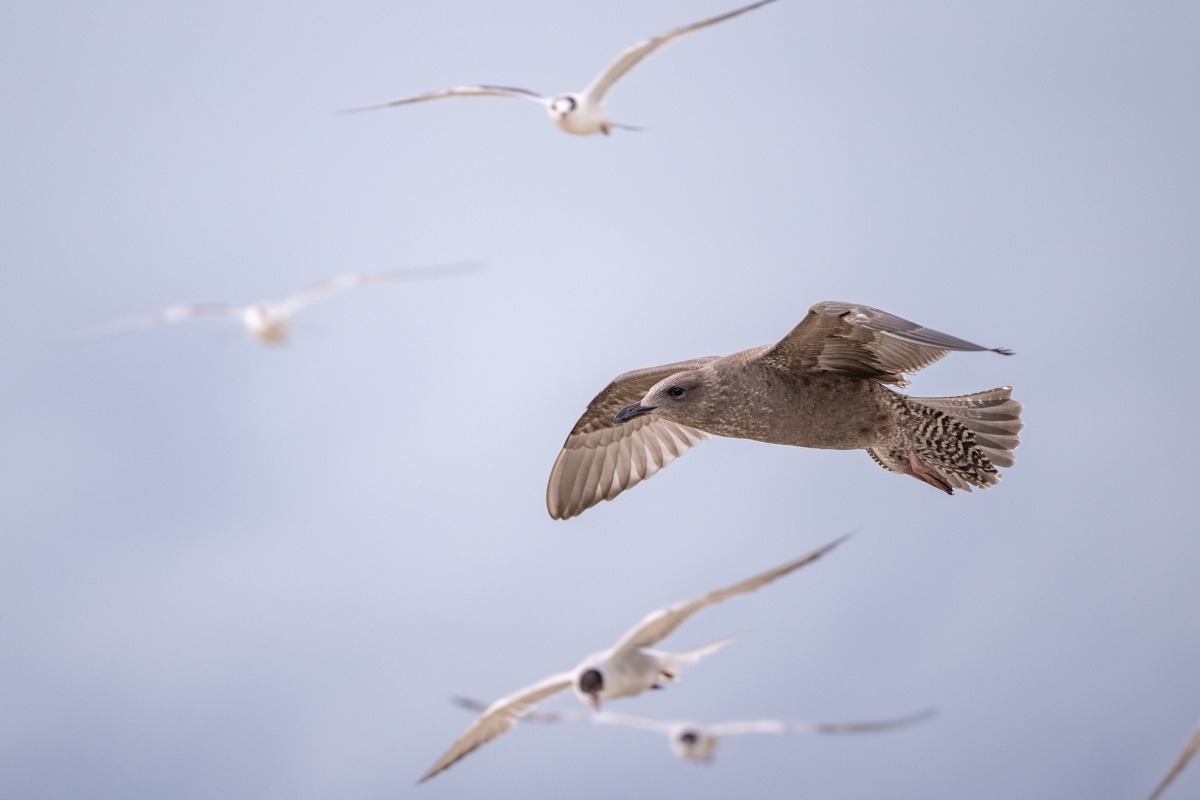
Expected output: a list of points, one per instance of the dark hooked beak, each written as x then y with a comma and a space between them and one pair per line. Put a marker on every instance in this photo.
632, 410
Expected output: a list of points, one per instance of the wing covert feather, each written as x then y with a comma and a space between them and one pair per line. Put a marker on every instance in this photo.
865, 342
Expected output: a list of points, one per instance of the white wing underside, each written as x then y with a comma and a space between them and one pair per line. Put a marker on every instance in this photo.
660, 624
578, 717
170, 314
735, 728
362, 280
499, 718
459, 91
631, 56
804, 727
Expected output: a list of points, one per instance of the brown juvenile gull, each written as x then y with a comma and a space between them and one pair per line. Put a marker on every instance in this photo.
697, 743
822, 385
1189, 751
626, 669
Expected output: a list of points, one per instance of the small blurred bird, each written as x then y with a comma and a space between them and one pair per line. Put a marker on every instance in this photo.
270, 321
626, 669
580, 113
697, 743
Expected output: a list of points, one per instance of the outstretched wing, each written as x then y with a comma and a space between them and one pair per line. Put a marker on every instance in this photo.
585, 717
1189, 751
631, 721
601, 459
499, 718
632, 56
478, 706
660, 624
785, 726
176, 313
458, 91
864, 342
359, 280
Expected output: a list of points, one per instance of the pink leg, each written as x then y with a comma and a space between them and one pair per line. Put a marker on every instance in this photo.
914, 466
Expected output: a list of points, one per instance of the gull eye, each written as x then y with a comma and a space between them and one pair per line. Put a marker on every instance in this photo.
676, 391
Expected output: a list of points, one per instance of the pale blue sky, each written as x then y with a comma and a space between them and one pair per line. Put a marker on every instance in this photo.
229, 571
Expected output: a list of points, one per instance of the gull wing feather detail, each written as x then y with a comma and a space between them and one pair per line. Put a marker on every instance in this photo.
864, 342
600, 459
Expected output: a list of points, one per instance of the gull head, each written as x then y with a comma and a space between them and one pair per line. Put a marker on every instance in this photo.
684, 398
559, 108
578, 115
692, 743
266, 324
589, 685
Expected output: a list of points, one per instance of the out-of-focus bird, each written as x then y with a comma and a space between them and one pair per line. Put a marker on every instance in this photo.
1189, 751
580, 113
824, 385
695, 742
626, 669
269, 321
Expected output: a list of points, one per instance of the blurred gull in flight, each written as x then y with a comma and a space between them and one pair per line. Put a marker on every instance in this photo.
822, 385
270, 321
694, 742
580, 113
626, 669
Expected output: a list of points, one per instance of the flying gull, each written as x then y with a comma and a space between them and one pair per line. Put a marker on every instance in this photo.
822, 385
270, 321
695, 742
626, 669
580, 113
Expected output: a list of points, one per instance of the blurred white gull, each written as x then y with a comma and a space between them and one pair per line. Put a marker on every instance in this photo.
580, 113
269, 321
695, 742
626, 669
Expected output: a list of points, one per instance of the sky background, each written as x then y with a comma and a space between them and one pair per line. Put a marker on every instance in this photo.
235, 571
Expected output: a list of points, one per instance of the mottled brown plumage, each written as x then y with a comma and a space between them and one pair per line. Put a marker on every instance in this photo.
823, 386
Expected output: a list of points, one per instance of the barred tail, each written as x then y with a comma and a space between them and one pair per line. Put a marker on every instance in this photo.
956, 442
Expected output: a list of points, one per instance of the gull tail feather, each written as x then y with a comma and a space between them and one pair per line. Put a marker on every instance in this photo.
697, 653
955, 442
